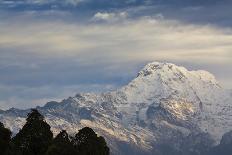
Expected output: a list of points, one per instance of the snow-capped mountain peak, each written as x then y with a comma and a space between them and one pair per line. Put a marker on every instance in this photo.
170, 71
165, 80
163, 101
156, 67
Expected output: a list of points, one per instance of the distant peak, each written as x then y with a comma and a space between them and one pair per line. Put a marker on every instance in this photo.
170, 70
153, 67
51, 104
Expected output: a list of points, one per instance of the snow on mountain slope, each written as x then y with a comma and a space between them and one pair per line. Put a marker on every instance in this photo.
210, 104
162, 104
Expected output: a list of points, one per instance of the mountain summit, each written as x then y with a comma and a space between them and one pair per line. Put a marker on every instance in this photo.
164, 104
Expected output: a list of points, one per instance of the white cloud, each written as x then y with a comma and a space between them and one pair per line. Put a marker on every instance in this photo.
73, 2
134, 40
104, 16
111, 44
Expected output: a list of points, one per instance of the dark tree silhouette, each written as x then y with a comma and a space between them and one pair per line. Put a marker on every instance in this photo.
61, 145
87, 142
5, 137
35, 136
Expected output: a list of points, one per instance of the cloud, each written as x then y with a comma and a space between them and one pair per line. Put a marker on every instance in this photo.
16, 3
51, 59
27, 97
145, 38
110, 16
189, 11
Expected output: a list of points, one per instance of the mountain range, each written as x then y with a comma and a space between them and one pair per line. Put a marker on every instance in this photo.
165, 105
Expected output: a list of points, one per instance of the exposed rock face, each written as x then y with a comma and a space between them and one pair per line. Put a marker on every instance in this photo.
164, 104
226, 138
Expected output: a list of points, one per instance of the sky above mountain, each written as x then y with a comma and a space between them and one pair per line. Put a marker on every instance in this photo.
51, 49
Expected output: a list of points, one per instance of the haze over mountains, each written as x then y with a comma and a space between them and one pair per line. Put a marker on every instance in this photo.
164, 104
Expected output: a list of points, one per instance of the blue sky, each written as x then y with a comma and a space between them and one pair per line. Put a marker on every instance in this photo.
52, 49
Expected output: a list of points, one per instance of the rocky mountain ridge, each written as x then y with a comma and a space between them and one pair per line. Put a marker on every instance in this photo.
164, 104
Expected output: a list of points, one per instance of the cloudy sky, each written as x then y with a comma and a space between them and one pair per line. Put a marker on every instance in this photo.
52, 49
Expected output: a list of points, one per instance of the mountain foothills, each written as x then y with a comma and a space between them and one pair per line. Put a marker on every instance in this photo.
165, 110
36, 138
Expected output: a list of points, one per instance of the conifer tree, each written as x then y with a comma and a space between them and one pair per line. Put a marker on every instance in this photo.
5, 137
35, 136
61, 145
87, 142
